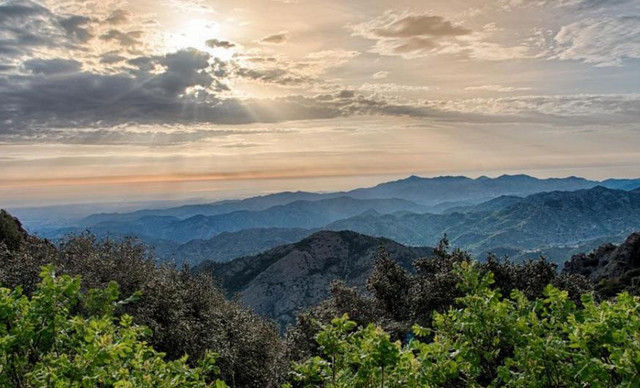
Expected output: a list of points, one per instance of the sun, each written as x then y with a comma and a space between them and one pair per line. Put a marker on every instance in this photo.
194, 33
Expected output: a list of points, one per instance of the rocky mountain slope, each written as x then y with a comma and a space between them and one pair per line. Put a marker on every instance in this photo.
283, 280
613, 267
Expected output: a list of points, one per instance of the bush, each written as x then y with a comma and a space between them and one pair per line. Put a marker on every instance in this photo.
489, 341
44, 343
187, 314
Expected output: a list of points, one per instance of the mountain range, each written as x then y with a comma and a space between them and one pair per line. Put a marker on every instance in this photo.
297, 214
556, 218
515, 215
437, 193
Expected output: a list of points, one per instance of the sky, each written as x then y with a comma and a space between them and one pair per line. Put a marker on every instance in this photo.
116, 100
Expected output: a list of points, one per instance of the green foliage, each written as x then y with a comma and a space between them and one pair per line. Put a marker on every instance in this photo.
43, 343
186, 314
398, 299
487, 340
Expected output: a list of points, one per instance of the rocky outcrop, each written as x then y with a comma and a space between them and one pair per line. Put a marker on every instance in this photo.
12, 234
613, 268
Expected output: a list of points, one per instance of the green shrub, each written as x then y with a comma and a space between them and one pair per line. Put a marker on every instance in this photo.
44, 342
187, 314
486, 340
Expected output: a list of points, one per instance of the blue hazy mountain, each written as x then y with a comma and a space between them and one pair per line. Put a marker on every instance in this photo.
438, 193
227, 246
554, 219
208, 209
431, 191
297, 214
414, 210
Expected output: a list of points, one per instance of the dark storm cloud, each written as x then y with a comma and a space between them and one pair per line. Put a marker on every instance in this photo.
420, 25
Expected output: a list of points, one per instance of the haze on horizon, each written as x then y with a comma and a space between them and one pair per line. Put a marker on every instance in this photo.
113, 99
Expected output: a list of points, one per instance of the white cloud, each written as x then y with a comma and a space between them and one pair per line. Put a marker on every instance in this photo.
380, 75
497, 88
410, 35
603, 42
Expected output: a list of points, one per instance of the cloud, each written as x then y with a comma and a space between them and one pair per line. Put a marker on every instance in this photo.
25, 26
419, 26
497, 88
190, 80
392, 88
215, 43
52, 66
68, 77
284, 71
118, 16
275, 75
111, 58
603, 42
127, 39
29, 30
122, 135
576, 4
578, 109
77, 27
279, 38
380, 75
417, 35
400, 34
14, 10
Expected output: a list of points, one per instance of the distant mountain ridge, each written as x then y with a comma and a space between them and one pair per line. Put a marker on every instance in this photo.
545, 219
297, 214
227, 246
413, 210
434, 192
210, 209
283, 280
429, 191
